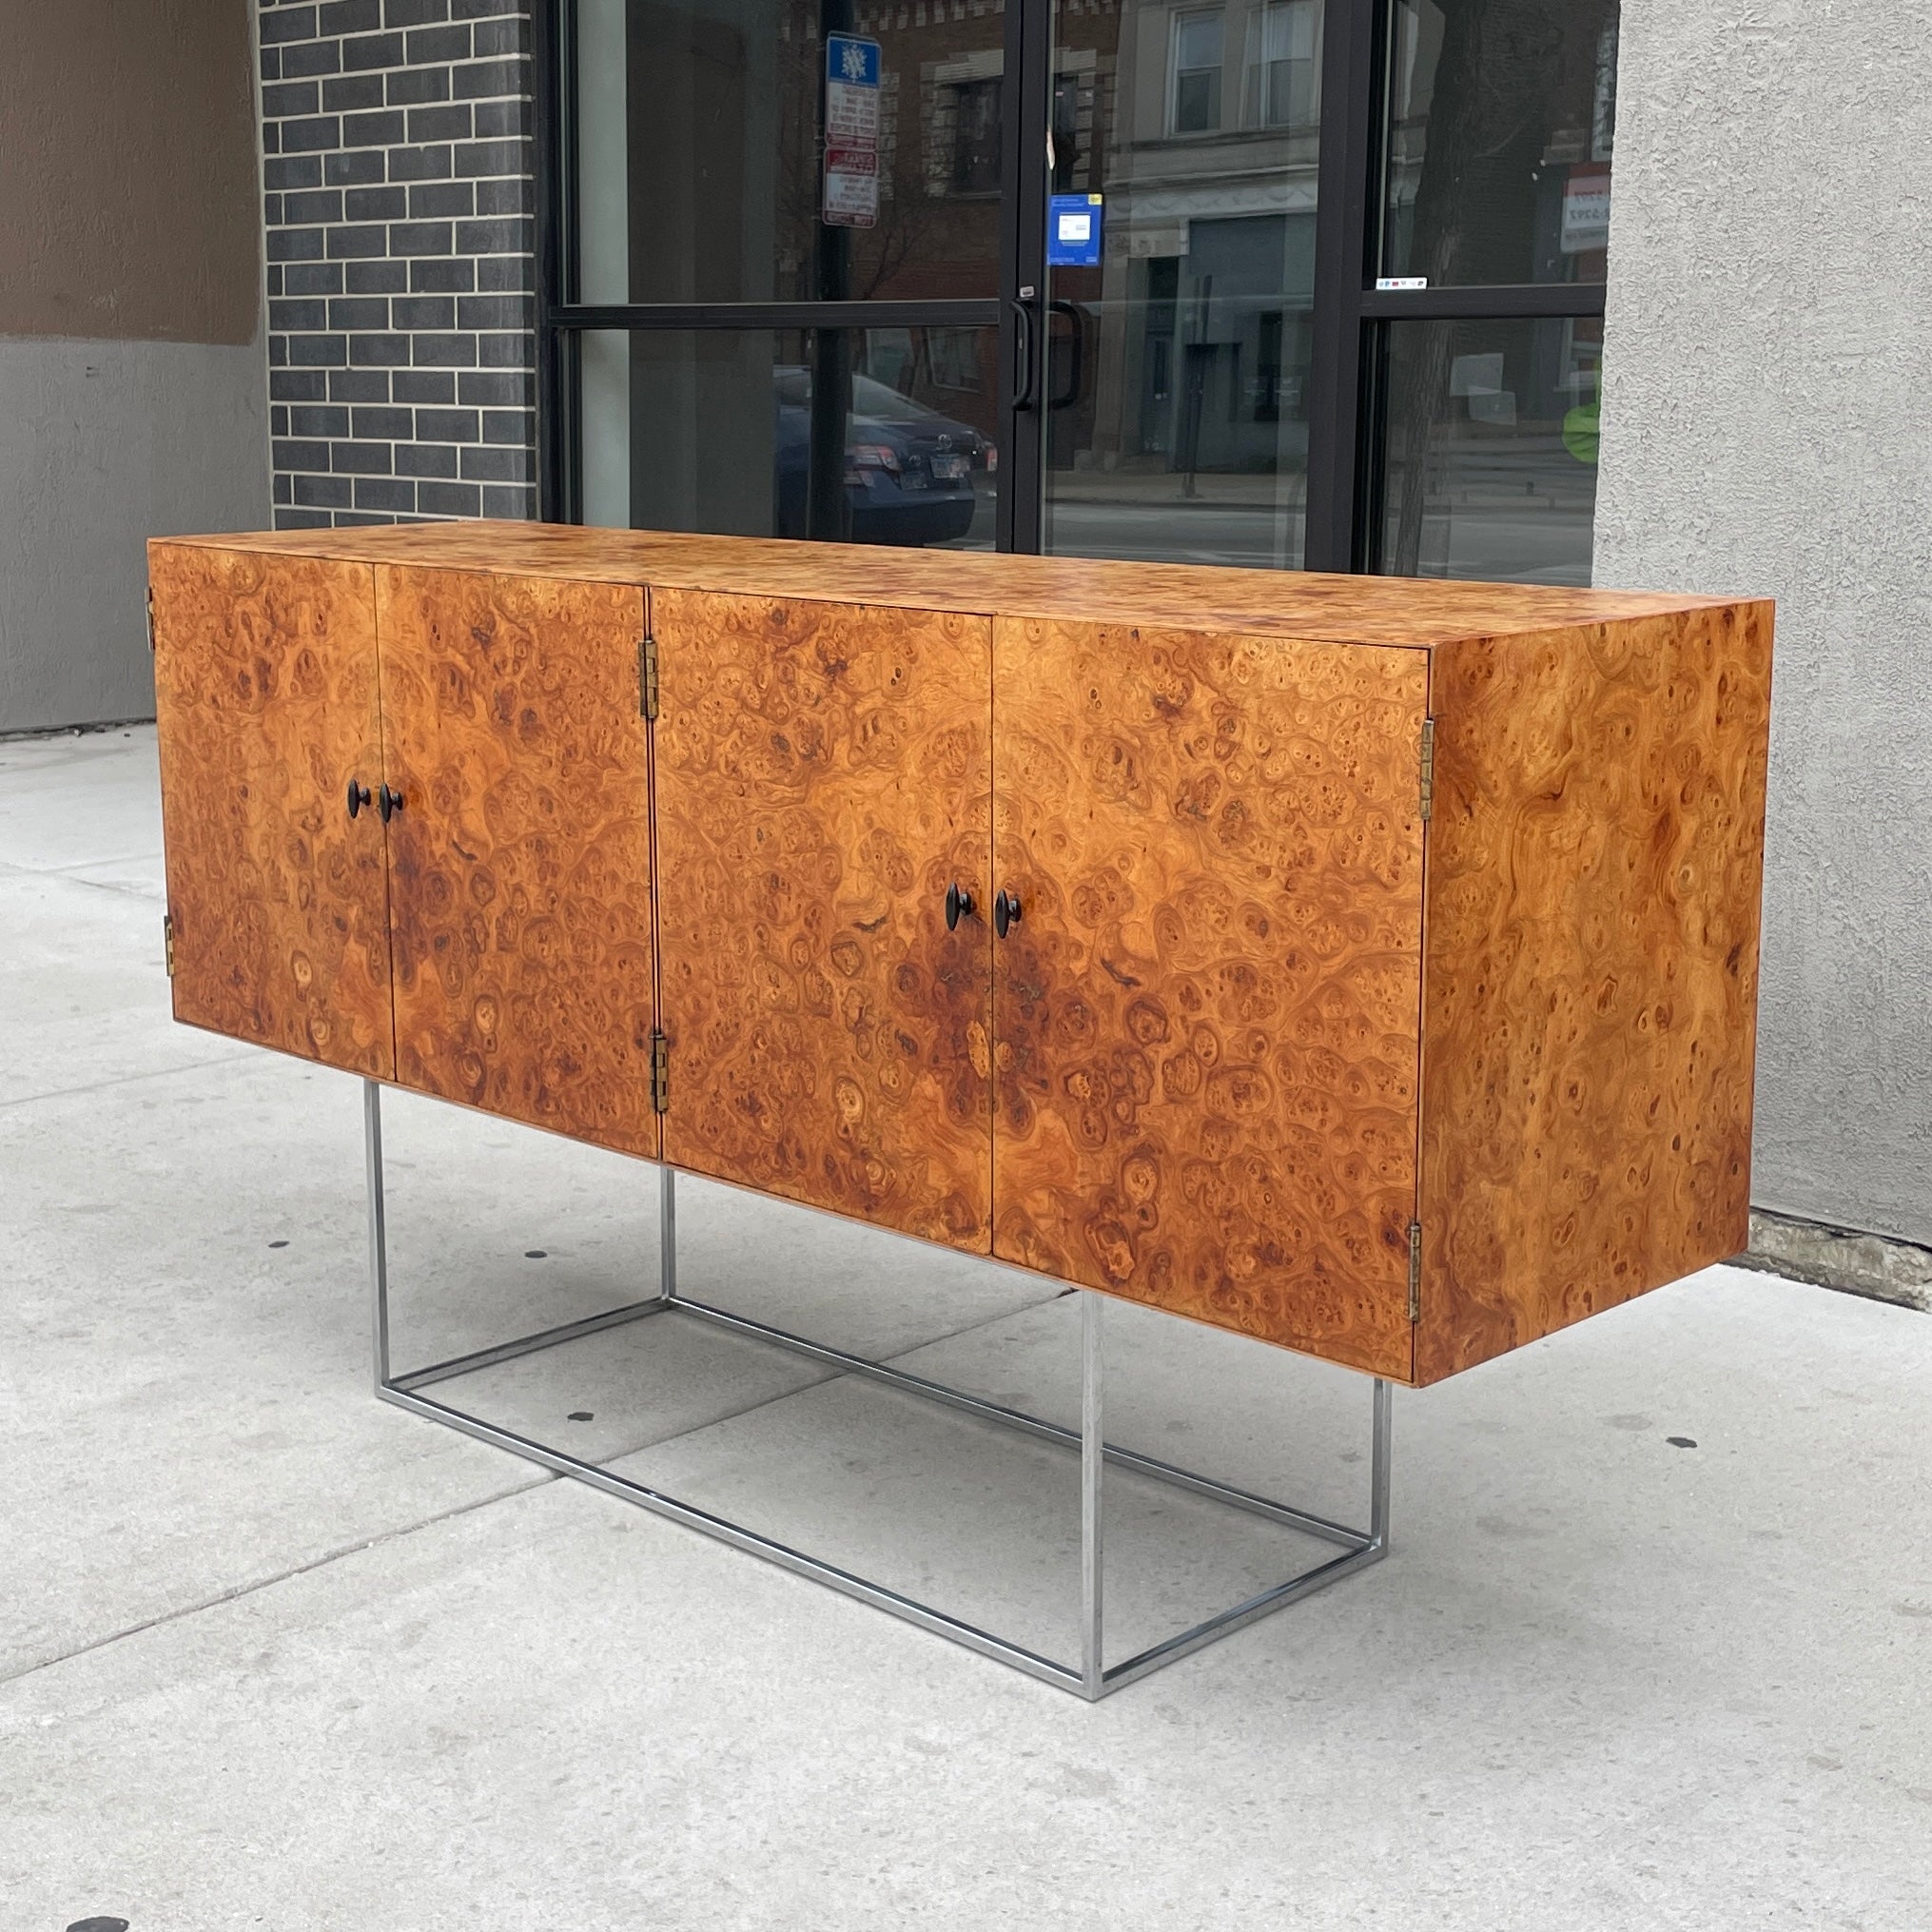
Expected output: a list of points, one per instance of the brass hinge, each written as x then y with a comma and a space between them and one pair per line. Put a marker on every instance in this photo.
647, 675
168, 940
1428, 767
660, 1074
150, 619
1414, 1271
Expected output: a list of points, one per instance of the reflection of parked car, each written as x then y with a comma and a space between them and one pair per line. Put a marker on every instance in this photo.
909, 469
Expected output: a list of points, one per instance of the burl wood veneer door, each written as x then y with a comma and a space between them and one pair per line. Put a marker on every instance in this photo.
824, 772
520, 857
265, 694
1205, 1020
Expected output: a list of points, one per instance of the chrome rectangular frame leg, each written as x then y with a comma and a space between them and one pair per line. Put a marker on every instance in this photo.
379, 1227
1092, 1467
667, 1234
1091, 1679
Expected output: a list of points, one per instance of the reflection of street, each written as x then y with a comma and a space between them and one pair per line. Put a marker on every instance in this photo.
1534, 547
1503, 513
1174, 531
1516, 508
1510, 515
1252, 519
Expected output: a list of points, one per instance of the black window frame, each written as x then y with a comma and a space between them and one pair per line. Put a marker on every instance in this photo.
1351, 316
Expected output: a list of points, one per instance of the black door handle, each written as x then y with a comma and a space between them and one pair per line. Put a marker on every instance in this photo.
358, 796
1068, 392
1024, 374
1005, 912
386, 802
959, 901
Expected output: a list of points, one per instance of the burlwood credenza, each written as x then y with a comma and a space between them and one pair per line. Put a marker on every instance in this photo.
1368, 965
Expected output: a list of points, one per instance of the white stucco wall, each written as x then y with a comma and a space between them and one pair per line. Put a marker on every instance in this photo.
102, 445
1768, 429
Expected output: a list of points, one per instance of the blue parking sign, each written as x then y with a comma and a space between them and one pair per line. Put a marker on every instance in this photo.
850, 60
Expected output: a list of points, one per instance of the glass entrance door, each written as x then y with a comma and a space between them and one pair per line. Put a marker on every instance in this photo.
1181, 279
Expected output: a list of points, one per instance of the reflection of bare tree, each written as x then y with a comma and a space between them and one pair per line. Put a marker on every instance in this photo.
908, 215
1499, 80
795, 185
880, 251
904, 224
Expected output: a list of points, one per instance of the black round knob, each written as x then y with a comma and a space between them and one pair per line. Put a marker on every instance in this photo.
386, 802
358, 796
1005, 912
959, 901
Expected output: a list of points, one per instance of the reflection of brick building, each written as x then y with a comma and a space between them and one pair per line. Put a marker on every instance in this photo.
937, 236
938, 233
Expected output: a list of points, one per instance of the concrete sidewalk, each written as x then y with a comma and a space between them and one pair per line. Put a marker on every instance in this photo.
274, 1653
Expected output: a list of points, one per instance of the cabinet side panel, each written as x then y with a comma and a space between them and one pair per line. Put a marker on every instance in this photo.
823, 773
266, 698
520, 859
1205, 1020
1591, 1017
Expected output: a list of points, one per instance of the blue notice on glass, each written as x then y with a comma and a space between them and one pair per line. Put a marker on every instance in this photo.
1073, 231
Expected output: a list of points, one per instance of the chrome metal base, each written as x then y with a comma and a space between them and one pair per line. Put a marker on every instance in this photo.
1092, 1677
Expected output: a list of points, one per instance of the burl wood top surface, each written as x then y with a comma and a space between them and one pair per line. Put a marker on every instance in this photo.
1367, 610
1590, 1006
1205, 1055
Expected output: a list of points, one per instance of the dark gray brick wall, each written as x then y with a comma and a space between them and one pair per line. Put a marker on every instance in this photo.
399, 208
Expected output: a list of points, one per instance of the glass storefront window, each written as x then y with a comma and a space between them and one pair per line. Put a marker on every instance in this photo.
1501, 120
1490, 449
700, 159
727, 430
1164, 378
